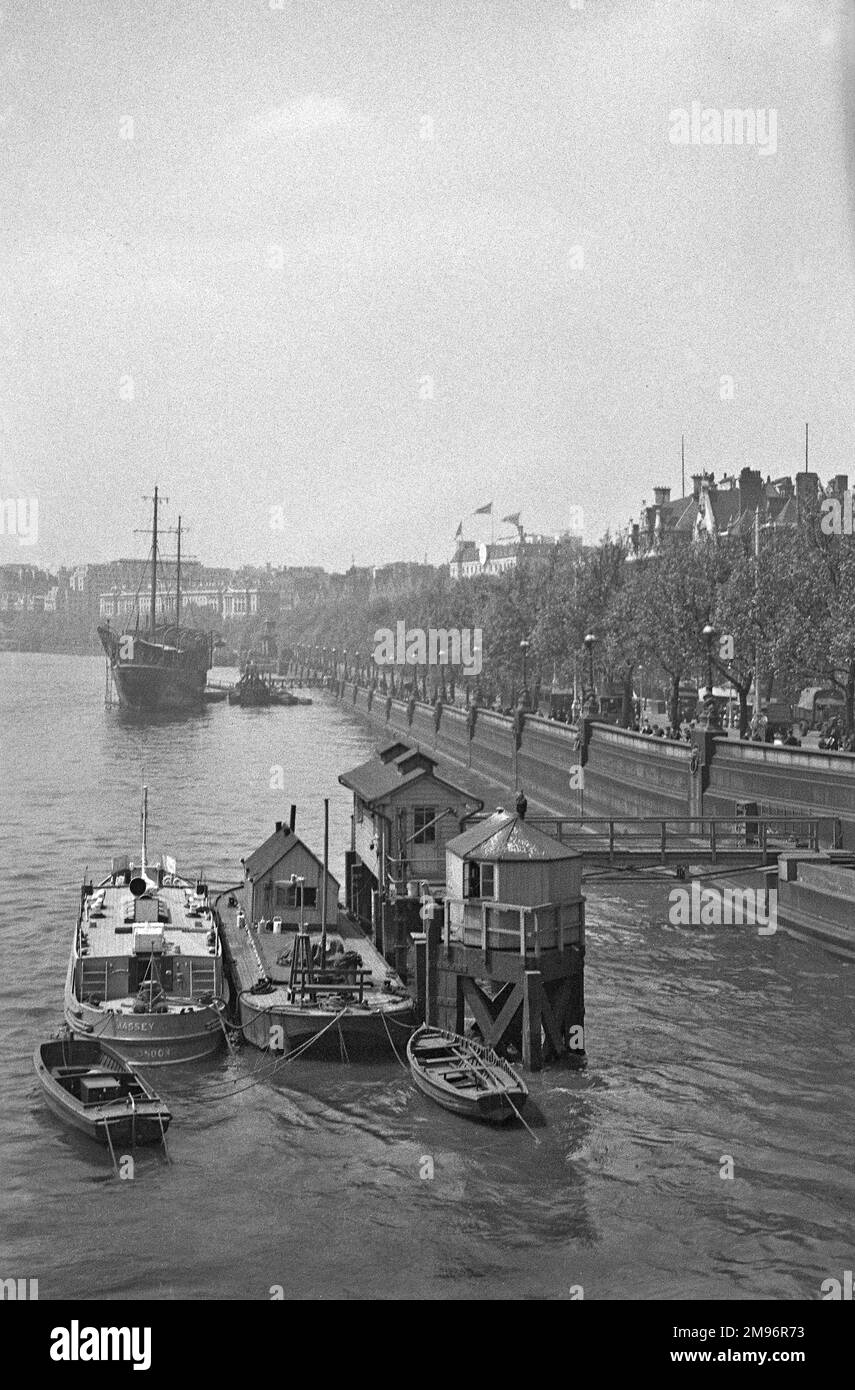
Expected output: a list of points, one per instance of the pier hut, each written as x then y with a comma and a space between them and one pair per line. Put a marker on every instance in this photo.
268, 891
404, 815
509, 948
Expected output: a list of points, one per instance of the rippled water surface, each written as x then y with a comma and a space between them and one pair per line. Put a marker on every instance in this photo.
700, 1044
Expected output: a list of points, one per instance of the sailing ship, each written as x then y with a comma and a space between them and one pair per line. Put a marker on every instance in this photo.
163, 666
145, 975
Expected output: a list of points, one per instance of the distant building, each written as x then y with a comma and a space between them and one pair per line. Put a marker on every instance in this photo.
400, 574
728, 508
495, 557
224, 601
27, 589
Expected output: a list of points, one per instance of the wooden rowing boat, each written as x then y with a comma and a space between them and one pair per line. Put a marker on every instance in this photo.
90, 1087
465, 1076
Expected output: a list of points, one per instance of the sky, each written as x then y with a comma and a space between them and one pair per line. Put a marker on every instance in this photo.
336, 273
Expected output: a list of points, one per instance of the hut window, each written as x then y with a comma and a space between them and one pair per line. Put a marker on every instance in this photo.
481, 880
288, 895
424, 825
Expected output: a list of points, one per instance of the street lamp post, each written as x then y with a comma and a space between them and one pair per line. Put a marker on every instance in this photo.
524, 646
589, 703
710, 712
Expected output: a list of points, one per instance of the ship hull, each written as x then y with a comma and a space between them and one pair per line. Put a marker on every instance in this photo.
147, 1039
155, 677
150, 1040
363, 1030
154, 688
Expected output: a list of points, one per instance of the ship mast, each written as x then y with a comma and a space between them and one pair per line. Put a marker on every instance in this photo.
153, 608
178, 585
144, 819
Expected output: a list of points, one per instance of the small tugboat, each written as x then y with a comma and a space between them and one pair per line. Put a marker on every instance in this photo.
89, 1087
253, 689
145, 973
465, 1076
259, 688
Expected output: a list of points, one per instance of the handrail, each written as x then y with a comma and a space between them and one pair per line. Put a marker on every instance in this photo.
528, 936
748, 829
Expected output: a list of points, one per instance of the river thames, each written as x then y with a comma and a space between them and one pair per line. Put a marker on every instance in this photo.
703, 1045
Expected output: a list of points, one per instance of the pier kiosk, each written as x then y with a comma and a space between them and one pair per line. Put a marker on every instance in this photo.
509, 946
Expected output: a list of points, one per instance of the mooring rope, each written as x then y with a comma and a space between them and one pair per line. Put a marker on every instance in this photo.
163, 1136
288, 1057
473, 1056
391, 1043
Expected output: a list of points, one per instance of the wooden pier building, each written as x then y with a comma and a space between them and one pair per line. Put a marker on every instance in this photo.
404, 815
268, 892
509, 947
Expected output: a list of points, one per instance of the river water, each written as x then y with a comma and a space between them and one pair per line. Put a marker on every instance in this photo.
701, 1044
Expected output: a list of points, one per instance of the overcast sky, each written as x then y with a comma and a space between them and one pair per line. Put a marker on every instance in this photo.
379, 262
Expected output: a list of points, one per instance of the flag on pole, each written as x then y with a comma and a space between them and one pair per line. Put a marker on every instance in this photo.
484, 511
513, 518
459, 532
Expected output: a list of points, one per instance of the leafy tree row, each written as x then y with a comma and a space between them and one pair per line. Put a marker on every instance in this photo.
785, 607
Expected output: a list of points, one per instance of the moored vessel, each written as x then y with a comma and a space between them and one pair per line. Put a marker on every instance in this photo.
145, 973
88, 1086
464, 1076
163, 666
333, 989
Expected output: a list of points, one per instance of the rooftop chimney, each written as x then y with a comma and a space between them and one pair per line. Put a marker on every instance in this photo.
697, 479
661, 496
292, 820
807, 490
750, 489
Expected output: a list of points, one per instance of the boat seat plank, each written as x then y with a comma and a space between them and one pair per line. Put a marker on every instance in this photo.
83, 1071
